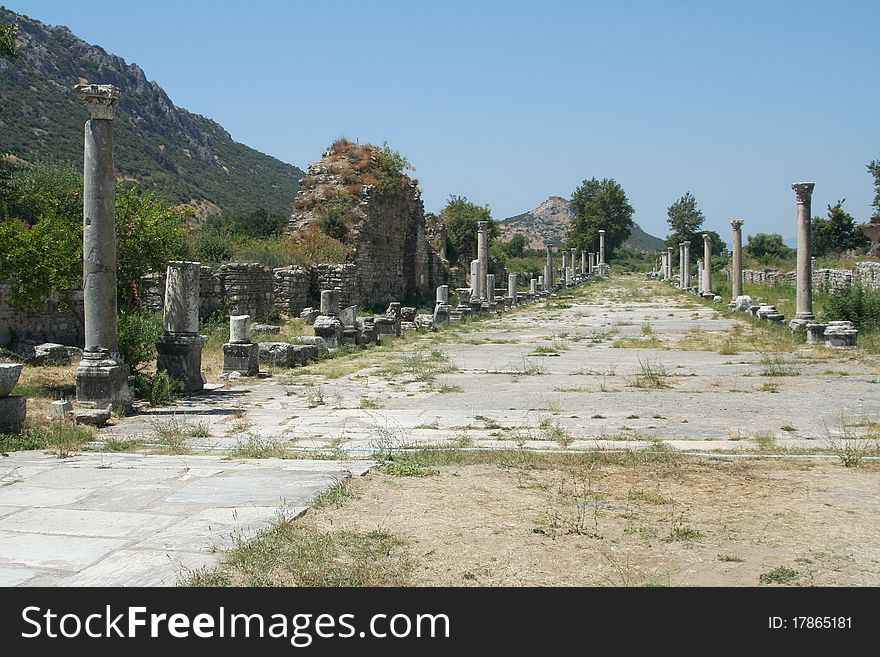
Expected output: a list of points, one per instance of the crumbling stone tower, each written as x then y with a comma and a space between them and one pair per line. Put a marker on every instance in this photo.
355, 199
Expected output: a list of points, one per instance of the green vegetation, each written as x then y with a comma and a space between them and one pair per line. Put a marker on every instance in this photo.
836, 233
461, 218
600, 205
41, 232
291, 553
767, 247
779, 575
685, 221
8, 33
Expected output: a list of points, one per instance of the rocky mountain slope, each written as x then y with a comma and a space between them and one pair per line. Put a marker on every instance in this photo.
183, 157
548, 224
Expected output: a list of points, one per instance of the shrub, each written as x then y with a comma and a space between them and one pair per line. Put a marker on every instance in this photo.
856, 304
138, 330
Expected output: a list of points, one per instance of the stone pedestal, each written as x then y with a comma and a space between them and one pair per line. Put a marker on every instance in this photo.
815, 333
394, 313
441, 305
463, 308
841, 335
102, 381
331, 329
13, 411
511, 288
179, 355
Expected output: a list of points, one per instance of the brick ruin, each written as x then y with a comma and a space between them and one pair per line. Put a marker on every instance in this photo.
380, 220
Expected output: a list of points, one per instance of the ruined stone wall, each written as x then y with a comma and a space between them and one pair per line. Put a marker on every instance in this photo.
867, 273
52, 322
330, 277
292, 290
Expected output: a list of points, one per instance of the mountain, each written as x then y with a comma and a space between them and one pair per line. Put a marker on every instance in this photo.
183, 157
548, 224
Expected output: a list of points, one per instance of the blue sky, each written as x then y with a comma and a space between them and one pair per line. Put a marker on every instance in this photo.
509, 102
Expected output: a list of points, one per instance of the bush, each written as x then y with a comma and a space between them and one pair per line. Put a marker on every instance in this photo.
138, 330
856, 304
157, 389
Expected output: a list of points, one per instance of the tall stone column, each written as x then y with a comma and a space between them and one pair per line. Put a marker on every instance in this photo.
602, 249
548, 271
565, 269
736, 267
804, 309
664, 265
179, 348
700, 276
583, 263
101, 376
490, 291
669, 263
686, 267
707, 264
681, 265
483, 256
572, 263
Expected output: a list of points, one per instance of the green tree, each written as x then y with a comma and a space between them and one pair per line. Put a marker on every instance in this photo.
42, 235
461, 218
8, 33
600, 205
390, 171
764, 246
836, 233
874, 170
516, 247
685, 221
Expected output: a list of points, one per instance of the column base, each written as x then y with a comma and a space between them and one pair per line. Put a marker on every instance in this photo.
179, 355
329, 328
241, 357
102, 382
13, 410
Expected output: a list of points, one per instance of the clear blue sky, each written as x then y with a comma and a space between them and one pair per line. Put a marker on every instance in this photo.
509, 102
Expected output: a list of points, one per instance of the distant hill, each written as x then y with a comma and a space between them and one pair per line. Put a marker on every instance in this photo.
184, 157
548, 224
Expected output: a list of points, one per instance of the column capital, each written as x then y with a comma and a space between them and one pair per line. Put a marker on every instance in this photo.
101, 99
736, 223
706, 238
803, 190
601, 232
482, 225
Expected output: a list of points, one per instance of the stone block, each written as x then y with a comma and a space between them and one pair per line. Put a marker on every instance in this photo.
268, 329
841, 334
348, 316
407, 314
329, 328
309, 315
59, 410
13, 410
102, 382
96, 417
241, 358
815, 333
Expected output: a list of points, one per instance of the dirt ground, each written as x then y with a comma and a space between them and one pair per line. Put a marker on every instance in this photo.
687, 522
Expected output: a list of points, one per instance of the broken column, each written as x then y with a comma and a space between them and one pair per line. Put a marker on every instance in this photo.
327, 325
686, 267
490, 292
548, 271
804, 309
240, 354
476, 291
483, 257
101, 376
441, 305
707, 265
179, 348
511, 287
533, 286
